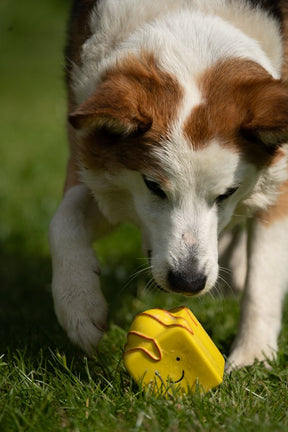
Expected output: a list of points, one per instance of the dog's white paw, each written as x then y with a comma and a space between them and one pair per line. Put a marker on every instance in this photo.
242, 356
80, 308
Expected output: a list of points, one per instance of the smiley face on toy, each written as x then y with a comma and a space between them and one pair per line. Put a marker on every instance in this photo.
172, 349
182, 375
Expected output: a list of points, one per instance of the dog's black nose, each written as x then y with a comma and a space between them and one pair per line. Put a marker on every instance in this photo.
186, 283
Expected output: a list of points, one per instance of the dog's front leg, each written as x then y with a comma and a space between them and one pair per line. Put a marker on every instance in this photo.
79, 303
266, 284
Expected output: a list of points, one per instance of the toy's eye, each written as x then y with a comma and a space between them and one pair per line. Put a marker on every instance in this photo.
226, 195
154, 187
178, 358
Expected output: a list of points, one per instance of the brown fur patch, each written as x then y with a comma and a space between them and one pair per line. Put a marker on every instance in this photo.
243, 106
130, 111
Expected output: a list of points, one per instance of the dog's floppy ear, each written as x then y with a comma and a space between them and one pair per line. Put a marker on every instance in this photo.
267, 114
115, 106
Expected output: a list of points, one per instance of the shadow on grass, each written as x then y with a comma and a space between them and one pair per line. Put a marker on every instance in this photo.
27, 318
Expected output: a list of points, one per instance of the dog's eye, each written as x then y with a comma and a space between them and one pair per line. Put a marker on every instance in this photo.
226, 195
154, 187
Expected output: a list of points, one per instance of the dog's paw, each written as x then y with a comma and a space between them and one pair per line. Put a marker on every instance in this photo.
241, 357
84, 327
81, 309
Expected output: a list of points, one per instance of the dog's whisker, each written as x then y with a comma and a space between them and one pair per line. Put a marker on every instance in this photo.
226, 284
215, 292
225, 270
222, 279
149, 286
142, 269
218, 291
142, 259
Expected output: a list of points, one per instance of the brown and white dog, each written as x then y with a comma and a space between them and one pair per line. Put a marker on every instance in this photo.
178, 119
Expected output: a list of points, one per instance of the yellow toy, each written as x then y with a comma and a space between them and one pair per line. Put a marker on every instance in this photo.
171, 349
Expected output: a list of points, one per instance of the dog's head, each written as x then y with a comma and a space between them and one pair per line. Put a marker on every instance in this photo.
182, 159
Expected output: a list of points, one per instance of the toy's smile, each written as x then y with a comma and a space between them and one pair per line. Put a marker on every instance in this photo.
179, 380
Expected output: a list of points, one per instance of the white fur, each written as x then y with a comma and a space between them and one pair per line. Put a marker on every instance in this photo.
186, 37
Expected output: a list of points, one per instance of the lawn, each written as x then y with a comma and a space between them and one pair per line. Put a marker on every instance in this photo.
46, 384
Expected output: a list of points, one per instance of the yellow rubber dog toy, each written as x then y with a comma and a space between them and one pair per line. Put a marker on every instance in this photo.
171, 349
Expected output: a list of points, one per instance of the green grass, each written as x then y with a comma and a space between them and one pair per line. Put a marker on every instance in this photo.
46, 384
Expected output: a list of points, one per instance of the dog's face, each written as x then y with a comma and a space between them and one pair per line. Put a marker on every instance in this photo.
183, 215
180, 161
